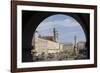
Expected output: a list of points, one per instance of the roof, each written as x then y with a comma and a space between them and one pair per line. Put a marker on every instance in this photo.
48, 38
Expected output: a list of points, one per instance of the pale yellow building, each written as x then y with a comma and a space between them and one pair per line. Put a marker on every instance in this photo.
47, 46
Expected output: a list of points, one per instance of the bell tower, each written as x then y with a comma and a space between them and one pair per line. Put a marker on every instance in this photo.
55, 34
75, 45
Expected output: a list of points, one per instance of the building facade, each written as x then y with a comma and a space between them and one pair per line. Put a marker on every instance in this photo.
47, 48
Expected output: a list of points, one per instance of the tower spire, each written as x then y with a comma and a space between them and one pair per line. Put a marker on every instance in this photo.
75, 44
75, 40
55, 34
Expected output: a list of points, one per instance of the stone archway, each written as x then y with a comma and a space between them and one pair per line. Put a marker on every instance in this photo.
35, 18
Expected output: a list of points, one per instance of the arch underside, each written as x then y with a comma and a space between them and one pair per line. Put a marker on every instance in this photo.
30, 21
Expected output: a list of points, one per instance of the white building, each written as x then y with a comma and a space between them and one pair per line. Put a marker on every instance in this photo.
44, 45
81, 45
49, 45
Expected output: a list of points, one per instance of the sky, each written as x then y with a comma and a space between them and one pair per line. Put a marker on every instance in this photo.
66, 26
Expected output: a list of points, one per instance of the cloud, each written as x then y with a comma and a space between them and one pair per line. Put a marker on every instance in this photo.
67, 28
68, 22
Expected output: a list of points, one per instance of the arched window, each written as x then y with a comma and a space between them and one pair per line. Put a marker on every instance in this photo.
57, 34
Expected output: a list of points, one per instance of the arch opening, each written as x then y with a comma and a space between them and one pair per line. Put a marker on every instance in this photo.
59, 34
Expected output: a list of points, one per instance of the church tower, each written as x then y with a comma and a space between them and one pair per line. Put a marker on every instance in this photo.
75, 45
55, 34
75, 40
